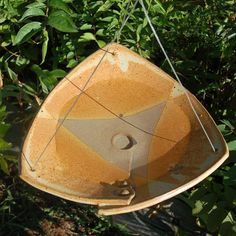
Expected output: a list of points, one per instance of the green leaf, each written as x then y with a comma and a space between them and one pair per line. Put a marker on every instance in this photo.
68, 1
3, 16
86, 27
11, 158
37, 70
108, 19
70, 55
27, 31
130, 41
29, 90
230, 194
216, 216
86, 37
198, 207
32, 12
3, 113
21, 61
1, 84
60, 5
205, 204
45, 45
62, 22
232, 145
158, 8
41, 75
100, 32
48, 79
226, 122
4, 28
4, 166
3, 129
138, 32
44, 86
58, 73
36, 5
198, 193
5, 43
230, 176
72, 63
50, 82
101, 43
228, 228
12, 74
106, 6
4, 145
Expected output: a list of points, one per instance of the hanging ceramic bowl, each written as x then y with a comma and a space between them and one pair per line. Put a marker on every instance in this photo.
119, 132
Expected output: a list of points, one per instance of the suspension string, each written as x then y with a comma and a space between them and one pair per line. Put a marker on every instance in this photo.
27, 161
176, 75
125, 19
84, 87
70, 109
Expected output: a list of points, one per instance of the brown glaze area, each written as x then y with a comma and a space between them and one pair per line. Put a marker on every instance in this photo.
83, 163
72, 170
43, 128
177, 129
185, 158
128, 97
176, 164
109, 77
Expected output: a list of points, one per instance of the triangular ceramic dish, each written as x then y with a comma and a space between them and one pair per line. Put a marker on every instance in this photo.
129, 141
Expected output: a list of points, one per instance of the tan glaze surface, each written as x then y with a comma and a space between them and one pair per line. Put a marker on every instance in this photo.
128, 96
124, 85
191, 164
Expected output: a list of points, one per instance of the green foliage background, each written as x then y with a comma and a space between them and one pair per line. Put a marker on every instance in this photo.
40, 41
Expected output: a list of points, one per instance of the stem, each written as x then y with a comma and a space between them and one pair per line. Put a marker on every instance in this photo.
54, 53
12, 53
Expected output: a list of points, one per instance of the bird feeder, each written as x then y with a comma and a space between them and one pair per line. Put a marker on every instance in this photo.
124, 138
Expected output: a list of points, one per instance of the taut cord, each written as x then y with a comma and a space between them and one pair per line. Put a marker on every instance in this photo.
176, 75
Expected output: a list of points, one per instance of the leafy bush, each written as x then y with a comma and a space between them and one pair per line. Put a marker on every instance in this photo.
40, 41
4, 145
213, 201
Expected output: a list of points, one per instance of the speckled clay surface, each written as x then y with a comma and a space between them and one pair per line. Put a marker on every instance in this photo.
132, 122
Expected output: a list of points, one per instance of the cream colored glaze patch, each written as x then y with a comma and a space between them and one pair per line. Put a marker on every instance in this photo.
124, 63
177, 90
43, 113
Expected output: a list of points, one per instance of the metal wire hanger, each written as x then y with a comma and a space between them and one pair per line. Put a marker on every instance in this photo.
82, 90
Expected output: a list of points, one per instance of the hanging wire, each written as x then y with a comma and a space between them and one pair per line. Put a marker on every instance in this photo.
176, 75
117, 35
69, 110
82, 90
125, 19
27, 161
